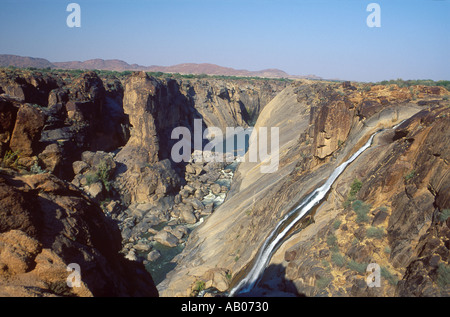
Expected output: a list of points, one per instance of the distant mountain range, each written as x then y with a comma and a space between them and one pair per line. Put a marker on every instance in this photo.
119, 65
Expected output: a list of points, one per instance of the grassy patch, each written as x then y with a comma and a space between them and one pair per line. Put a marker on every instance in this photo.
408, 83
102, 174
10, 159
410, 175
91, 178
323, 282
443, 278
354, 189
358, 267
332, 240
361, 209
392, 279
228, 276
338, 259
375, 232
199, 286
337, 224
444, 214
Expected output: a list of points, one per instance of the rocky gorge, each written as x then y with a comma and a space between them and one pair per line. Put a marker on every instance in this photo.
108, 140
87, 177
389, 207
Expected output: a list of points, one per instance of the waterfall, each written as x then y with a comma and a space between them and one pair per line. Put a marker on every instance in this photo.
270, 244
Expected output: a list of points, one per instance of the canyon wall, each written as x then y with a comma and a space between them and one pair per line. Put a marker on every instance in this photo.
390, 217
71, 143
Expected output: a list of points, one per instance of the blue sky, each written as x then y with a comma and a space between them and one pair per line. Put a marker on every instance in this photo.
328, 38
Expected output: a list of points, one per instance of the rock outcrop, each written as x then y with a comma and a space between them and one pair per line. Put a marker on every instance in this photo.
47, 224
27, 130
155, 107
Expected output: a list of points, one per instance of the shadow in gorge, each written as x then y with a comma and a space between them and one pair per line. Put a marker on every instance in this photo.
273, 283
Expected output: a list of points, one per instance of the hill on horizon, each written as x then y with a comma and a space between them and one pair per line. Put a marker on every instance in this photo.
119, 65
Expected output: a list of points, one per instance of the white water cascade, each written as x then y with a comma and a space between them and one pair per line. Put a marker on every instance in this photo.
272, 242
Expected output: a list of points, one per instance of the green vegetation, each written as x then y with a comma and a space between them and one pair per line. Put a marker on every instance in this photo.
354, 189
358, 267
203, 76
337, 224
331, 240
111, 74
323, 281
361, 209
376, 233
338, 259
36, 169
102, 174
199, 286
326, 265
444, 214
443, 277
91, 178
408, 83
392, 279
410, 175
10, 159
35, 105
366, 88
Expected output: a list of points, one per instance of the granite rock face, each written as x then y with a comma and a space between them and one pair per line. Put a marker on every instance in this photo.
384, 208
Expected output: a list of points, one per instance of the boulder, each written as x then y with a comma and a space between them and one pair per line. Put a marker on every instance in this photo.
131, 255
99, 159
79, 167
216, 189
190, 169
17, 251
180, 232
27, 131
187, 213
207, 210
58, 96
51, 157
199, 194
8, 114
95, 190
196, 204
142, 247
153, 255
166, 238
